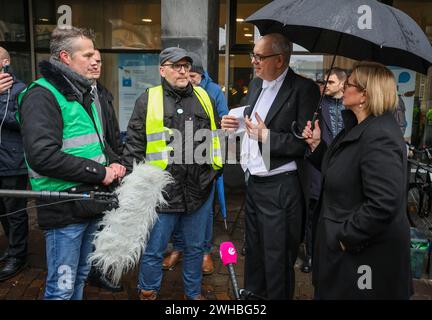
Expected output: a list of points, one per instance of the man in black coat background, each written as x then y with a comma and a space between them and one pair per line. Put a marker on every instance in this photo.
13, 173
111, 129
275, 199
103, 100
331, 124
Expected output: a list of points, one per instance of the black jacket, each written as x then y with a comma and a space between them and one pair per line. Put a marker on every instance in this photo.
42, 131
11, 147
109, 120
193, 182
362, 205
327, 137
296, 100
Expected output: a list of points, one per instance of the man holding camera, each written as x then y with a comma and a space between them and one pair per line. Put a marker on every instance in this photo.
13, 173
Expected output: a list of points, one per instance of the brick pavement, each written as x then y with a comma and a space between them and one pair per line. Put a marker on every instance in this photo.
29, 284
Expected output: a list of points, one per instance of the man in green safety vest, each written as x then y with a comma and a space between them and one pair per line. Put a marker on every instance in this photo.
174, 127
65, 151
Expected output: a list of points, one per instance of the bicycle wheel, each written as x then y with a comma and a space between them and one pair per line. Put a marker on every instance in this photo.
414, 203
425, 221
425, 206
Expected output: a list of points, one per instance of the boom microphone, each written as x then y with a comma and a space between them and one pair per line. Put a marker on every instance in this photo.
228, 256
56, 195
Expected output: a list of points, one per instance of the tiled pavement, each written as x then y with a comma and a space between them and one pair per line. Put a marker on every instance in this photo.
29, 284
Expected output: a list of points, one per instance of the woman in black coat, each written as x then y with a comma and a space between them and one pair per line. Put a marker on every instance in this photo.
362, 242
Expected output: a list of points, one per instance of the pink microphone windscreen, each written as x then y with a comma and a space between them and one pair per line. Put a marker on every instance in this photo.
228, 253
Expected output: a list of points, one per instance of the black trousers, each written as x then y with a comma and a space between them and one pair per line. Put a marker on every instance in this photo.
310, 227
15, 226
274, 207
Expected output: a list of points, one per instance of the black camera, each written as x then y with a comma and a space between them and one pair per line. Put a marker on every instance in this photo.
6, 68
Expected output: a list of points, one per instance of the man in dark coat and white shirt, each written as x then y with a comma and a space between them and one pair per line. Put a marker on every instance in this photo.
275, 200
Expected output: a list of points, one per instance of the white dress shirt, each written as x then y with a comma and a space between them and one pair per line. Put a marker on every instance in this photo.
251, 158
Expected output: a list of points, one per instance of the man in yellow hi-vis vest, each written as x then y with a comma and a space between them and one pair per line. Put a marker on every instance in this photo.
174, 127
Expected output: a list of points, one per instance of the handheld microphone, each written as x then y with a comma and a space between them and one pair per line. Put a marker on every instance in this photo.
228, 256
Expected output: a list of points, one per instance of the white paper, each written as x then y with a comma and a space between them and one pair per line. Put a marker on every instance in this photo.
239, 114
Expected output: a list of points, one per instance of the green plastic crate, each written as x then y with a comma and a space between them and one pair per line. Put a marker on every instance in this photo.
419, 253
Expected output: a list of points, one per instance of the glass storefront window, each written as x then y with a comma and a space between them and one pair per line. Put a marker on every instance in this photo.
419, 104
12, 23
241, 73
129, 24
126, 25
246, 33
20, 65
221, 72
222, 25
309, 66
129, 75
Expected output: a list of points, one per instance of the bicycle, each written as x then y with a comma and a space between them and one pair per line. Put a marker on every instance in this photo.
419, 202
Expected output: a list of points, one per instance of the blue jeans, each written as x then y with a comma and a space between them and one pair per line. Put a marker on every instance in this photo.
192, 228
67, 250
177, 238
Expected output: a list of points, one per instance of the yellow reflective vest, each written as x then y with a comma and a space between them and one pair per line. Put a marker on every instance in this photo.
157, 151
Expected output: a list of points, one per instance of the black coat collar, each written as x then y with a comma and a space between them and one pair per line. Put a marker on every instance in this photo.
353, 130
178, 94
54, 76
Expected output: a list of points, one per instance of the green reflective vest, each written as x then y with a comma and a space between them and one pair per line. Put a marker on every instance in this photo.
157, 151
80, 137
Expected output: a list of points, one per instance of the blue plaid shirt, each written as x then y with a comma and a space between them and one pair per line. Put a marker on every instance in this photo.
335, 108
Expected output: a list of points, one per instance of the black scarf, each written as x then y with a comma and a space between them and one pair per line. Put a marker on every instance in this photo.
79, 84
177, 93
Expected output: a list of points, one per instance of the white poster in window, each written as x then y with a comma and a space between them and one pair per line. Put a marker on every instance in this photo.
309, 66
137, 72
406, 82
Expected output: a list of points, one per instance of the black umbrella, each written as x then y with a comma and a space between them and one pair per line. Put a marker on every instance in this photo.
357, 29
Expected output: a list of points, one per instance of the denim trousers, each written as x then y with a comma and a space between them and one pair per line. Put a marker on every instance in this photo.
177, 238
192, 227
67, 251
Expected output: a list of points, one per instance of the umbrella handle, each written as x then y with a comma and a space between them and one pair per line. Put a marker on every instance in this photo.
295, 130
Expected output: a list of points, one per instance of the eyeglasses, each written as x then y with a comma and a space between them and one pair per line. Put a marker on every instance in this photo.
178, 66
349, 85
259, 58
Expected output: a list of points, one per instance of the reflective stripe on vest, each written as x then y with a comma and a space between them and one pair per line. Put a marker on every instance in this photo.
216, 153
157, 151
80, 137
78, 141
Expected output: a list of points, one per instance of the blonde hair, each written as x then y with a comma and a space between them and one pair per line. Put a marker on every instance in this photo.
380, 86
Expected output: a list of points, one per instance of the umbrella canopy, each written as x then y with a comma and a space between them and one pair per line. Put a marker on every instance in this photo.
356, 29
